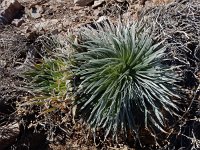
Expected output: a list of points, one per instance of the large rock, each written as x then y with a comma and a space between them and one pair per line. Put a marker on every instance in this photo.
9, 10
83, 2
8, 134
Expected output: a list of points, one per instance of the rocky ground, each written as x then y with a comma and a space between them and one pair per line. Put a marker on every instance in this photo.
22, 22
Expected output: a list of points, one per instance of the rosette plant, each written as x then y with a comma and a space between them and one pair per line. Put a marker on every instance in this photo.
123, 82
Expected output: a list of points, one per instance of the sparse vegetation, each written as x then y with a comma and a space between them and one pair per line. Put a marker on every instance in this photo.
48, 83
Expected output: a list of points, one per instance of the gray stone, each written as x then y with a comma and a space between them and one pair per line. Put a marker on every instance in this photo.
36, 11
83, 2
97, 3
17, 22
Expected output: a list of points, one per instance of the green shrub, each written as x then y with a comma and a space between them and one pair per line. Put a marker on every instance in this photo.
49, 79
48, 82
123, 82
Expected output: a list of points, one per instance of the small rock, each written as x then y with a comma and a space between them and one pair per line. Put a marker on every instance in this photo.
56, 31
10, 10
17, 22
96, 12
60, 1
60, 27
2, 62
81, 13
46, 25
27, 29
100, 21
50, 11
125, 147
120, 1
149, 4
36, 11
75, 8
83, 2
97, 3
102, 18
